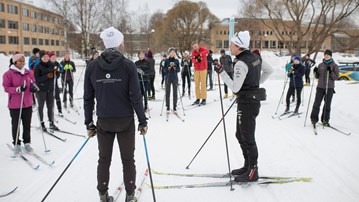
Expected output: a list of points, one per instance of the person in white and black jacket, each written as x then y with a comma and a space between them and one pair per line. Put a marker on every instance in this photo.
172, 68
112, 79
245, 84
186, 73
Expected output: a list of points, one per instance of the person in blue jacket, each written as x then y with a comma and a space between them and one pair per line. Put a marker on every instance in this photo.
295, 74
35, 59
171, 69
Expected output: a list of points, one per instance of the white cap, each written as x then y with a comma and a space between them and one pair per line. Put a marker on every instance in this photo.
111, 37
186, 53
241, 39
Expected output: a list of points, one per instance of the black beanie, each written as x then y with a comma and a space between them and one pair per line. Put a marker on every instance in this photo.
35, 50
328, 52
42, 53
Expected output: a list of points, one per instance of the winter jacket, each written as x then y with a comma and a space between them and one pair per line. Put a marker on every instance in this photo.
296, 77
226, 62
13, 79
152, 70
69, 67
209, 62
143, 65
171, 73
202, 53
162, 65
33, 62
308, 63
43, 81
322, 74
112, 79
186, 66
287, 67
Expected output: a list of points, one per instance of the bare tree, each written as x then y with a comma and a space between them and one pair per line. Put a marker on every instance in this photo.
315, 20
62, 7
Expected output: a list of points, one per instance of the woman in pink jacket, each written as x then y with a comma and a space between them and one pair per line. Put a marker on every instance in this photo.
18, 80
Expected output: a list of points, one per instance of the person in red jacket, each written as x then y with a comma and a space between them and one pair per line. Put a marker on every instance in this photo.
199, 60
19, 83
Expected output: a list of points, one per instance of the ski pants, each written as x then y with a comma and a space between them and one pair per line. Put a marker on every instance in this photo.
124, 130
57, 98
184, 77
245, 134
47, 97
174, 84
225, 86
144, 89
210, 79
163, 78
319, 96
200, 84
291, 91
307, 73
26, 115
70, 84
152, 86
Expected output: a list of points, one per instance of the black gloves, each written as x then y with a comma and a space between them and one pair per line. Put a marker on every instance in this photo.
198, 58
316, 73
218, 67
142, 127
91, 129
329, 69
34, 88
21, 89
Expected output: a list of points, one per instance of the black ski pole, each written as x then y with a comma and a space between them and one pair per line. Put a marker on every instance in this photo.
225, 134
149, 168
20, 113
63, 172
285, 84
326, 98
215, 128
310, 97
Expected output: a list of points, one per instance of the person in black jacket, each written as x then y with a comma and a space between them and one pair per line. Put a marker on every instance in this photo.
162, 70
143, 68
68, 80
56, 65
172, 68
295, 74
44, 76
151, 75
112, 79
308, 63
186, 65
209, 70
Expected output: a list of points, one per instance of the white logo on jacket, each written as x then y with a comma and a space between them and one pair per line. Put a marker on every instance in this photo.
108, 75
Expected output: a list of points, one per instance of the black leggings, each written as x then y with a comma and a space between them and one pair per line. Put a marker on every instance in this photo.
26, 124
291, 91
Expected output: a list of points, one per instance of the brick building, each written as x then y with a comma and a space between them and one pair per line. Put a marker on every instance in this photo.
24, 27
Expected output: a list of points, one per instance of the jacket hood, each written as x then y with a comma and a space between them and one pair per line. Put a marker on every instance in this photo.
109, 60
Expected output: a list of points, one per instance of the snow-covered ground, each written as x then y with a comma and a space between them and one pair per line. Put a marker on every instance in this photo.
286, 148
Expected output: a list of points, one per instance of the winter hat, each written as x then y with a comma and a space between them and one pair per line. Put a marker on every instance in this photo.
297, 58
328, 52
42, 53
16, 57
171, 49
164, 55
51, 54
149, 54
111, 37
256, 51
186, 53
35, 50
223, 51
241, 39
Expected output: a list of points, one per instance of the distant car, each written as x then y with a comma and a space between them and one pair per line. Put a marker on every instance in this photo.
349, 72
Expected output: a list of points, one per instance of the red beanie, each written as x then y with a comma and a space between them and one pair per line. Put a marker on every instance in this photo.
51, 54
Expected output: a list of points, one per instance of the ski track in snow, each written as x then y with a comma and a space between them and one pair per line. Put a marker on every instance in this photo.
286, 148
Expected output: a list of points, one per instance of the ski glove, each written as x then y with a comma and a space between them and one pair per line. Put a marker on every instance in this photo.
329, 69
316, 73
50, 75
68, 67
34, 88
198, 58
21, 89
218, 67
142, 127
91, 129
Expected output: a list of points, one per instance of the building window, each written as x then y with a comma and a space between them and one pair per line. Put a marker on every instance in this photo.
280, 44
57, 43
12, 9
41, 42
52, 42
32, 14
257, 44
25, 12
26, 26
2, 23
47, 42
62, 43
225, 44
40, 29
13, 24
56, 20
265, 44
39, 16
2, 7
2, 40
34, 41
250, 44
224, 32
13, 40
218, 44
47, 30
46, 18
220, 32
33, 28
273, 44
26, 40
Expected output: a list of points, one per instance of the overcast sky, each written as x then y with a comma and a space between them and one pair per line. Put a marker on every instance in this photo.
221, 8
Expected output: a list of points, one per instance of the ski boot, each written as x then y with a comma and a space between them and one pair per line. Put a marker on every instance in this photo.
28, 148
71, 104
17, 149
105, 197
225, 96
242, 170
203, 102
196, 102
65, 104
53, 127
60, 113
250, 176
296, 110
326, 124
131, 198
286, 109
43, 128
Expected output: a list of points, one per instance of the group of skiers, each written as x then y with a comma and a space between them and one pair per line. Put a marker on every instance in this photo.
40, 80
